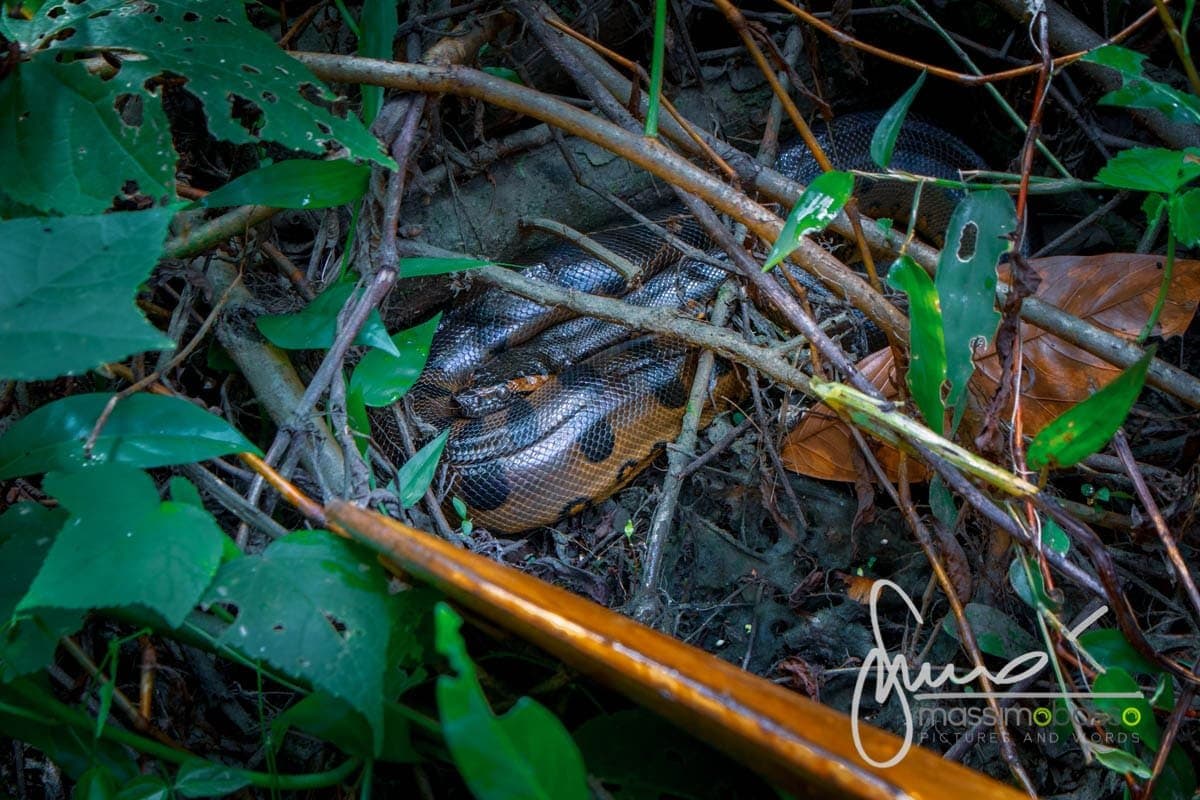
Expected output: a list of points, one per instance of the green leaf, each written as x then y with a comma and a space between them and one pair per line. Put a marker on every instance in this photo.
524, 755
66, 301
417, 473
1119, 761
1084, 429
1109, 648
815, 209
378, 28
1137, 91
333, 720
69, 148
424, 267
144, 430
199, 778
506, 73
883, 140
298, 183
1132, 713
1185, 217
358, 419
382, 379
1027, 581
28, 641
995, 632
1054, 537
1178, 778
311, 605
98, 783
1151, 169
315, 327
119, 528
927, 363
221, 56
966, 283
145, 787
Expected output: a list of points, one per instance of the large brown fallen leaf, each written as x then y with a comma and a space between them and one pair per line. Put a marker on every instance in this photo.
1115, 292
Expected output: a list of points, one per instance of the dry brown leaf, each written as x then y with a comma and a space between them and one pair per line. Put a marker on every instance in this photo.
1115, 292
858, 587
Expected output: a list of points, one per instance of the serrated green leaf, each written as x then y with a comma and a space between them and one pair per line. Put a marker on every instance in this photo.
1109, 648
221, 56
417, 473
927, 360
425, 267
1085, 428
311, 605
816, 208
378, 27
1185, 217
68, 147
66, 299
144, 430
1151, 169
119, 528
145, 787
198, 778
996, 633
315, 327
1137, 91
883, 140
382, 379
1132, 713
966, 283
524, 755
28, 641
298, 183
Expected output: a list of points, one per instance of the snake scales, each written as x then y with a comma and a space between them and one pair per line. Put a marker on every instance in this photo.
548, 413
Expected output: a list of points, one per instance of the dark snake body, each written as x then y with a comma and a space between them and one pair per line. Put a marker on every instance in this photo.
605, 404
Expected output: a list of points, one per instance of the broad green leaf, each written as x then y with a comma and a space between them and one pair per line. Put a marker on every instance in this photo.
966, 283
297, 183
927, 361
199, 778
70, 149
377, 26
1185, 217
382, 379
1084, 429
118, 527
504, 72
145, 787
524, 755
1054, 537
1151, 169
98, 783
424, 267
316, 608
1027, 581
996, 633
315, 327
1110, 648
358, 419
417, 473
883, 140
144, 430
816, 208
28, 641
333, 720
1137, 91
1119, 761
1178, 778
1133, 713
221, 56
67, 291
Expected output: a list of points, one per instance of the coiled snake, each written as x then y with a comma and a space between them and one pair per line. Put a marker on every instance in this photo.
542, 427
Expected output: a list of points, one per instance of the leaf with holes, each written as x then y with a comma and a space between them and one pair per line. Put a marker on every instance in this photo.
526, 754
144, 430
966, 284
298, 183
251, 90
315, 607
66, 298
1088, 426
927, 362
119, 527
381, 378
883, 140
75, 144
816, 208
1139, 92
315, 326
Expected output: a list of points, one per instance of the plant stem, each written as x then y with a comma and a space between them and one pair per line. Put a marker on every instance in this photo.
1160, 301
656, 66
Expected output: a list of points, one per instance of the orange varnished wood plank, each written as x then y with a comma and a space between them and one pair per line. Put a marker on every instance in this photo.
798, 744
